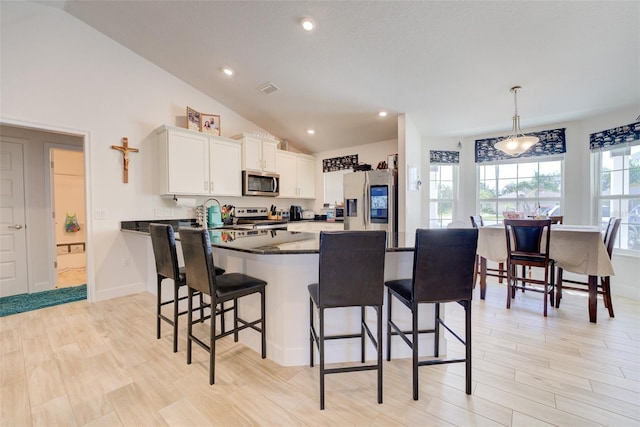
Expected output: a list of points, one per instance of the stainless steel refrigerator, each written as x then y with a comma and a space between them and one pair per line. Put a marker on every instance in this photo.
371, 200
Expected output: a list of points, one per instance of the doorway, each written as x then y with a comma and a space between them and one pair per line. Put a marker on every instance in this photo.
68, 218
40, 255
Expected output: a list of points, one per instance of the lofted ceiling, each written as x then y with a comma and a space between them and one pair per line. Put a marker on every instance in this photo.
448, 65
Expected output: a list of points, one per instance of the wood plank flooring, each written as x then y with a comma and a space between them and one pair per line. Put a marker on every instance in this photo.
100, 364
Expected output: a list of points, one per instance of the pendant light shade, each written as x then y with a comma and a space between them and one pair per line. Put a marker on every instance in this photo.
516, 143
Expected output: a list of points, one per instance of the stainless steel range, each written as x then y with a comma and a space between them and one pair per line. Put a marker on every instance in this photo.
256, 219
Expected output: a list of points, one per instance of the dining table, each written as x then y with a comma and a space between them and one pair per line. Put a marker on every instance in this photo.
575, 248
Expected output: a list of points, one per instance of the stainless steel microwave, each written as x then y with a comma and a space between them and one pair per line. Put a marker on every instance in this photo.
260, 184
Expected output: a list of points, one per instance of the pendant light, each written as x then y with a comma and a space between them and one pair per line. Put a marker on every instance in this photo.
516, 143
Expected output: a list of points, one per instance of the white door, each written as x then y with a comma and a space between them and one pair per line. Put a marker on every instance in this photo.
13, 240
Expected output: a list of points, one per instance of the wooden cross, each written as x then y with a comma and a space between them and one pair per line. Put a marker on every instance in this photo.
125, 150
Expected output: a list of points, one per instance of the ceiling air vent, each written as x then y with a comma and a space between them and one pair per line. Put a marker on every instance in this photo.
268, 88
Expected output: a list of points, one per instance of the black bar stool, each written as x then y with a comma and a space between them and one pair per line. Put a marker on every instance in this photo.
166, 257
443, 265
351, 274
201, 277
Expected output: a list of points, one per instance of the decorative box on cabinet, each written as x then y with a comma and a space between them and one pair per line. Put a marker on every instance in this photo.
258, 154
193, 163
297, 175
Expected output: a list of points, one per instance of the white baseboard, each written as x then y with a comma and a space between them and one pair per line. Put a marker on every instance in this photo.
134, 288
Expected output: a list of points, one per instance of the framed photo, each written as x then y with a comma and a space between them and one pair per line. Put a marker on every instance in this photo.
193, 119
210, 124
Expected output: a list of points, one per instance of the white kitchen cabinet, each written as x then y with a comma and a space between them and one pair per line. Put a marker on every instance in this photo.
225, 174
193, 163
297, 177
306, 177
258, 154
314, 226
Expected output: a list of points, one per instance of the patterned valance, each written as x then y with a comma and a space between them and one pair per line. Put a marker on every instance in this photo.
444, 157
551, 142
339, 163
615, 136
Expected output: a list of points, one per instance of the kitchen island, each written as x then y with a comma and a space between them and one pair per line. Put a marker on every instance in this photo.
288, 262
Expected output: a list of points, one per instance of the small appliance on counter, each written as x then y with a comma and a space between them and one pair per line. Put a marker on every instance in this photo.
210, 217
214, 217
295, 213
308, 214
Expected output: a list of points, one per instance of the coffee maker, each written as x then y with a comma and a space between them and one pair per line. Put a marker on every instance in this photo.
295, 213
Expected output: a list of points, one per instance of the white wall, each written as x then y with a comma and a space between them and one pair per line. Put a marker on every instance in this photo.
58, 73
410, 152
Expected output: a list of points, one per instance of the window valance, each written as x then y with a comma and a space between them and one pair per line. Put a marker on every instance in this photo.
444, 157
610, 137
552, 142
339, 163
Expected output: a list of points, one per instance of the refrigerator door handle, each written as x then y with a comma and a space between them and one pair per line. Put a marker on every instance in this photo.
365, 202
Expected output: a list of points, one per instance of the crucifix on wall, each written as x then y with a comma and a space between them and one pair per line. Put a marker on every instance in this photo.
125, 149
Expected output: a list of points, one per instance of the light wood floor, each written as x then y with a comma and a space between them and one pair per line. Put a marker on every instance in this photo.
100, 364
72, 277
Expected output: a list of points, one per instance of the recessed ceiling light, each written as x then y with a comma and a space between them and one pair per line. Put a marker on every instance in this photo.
311, 131
228, 71
308, 24
382, 114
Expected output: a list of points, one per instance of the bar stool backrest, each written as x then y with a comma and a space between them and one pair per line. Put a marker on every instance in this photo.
351, 268
443, 264
163, 241
198, 260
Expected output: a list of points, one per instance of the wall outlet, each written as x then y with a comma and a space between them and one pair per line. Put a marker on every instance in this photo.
126, 261
100, 214
158, 212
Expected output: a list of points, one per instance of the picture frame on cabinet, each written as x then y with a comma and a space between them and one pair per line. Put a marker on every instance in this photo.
210, 123
193, 119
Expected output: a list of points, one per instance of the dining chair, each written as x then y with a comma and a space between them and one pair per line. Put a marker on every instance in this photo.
604, 284
201, 277
500, 272
165, 253
351, 274
443, 264
528, 243
556, 219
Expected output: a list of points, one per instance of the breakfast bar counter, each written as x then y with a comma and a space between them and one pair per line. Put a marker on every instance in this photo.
288, 262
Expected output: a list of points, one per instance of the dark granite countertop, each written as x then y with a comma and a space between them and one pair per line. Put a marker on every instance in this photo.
142, 226
261, 242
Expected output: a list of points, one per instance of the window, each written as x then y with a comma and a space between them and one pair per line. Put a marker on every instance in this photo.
522, 186
618, 191
442, 194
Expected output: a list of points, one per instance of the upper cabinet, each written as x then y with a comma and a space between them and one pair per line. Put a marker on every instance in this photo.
258, 154
193, 163
297, 175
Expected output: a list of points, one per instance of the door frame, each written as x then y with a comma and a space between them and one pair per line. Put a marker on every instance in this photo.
86, 148
49, 194
25, 189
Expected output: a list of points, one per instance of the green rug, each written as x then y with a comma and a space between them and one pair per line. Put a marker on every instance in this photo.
27, 302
